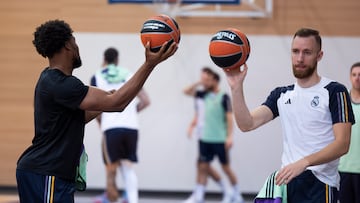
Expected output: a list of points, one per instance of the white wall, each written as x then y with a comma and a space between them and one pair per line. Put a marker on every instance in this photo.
167, 157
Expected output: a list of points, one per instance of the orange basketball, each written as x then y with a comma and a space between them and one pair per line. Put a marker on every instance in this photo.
229, 48
159, 29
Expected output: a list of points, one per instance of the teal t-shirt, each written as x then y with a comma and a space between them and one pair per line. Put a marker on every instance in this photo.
216, 105
350, 162
114, 74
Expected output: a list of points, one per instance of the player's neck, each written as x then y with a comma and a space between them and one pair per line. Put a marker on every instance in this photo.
216, 89
57, 64
355, 95
309, 81
61, 62
62, 69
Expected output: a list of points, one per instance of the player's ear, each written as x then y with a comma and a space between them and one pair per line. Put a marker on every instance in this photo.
68, 45
320, 55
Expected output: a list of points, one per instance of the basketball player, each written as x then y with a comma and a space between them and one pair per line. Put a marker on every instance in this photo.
196, 125
63, 105
316, 118
214, 120
349, 166
120, 129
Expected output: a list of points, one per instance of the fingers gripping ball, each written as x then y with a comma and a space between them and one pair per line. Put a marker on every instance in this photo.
229, 48
159, 29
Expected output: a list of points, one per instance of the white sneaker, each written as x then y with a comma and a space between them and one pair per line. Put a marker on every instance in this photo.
232, 198
226, 198
238, 199
192, 199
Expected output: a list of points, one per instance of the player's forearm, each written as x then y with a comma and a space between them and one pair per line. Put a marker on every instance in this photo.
141, 106
329, 153
127, 93
242, 114
144, 100
230, 125
191, 89
335, 149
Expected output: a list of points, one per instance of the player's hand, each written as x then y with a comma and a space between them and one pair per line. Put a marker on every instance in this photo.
228, 142
236, 76
286, 174
190, 132
154, 58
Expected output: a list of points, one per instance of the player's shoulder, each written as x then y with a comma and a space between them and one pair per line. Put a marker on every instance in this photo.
56, 76
333, 86
200, 93
225, 95
283, 89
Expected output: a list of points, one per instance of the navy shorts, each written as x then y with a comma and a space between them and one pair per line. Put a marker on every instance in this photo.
36, 188
209, 150
306, 188
120, 143
349, 187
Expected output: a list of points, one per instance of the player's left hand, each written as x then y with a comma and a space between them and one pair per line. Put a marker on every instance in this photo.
287, 173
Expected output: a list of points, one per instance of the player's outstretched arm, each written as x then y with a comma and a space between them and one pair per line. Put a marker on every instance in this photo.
245, 119
99, 100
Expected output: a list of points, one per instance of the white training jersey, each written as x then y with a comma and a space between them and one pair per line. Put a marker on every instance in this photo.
199, 108
307, 117
125, 119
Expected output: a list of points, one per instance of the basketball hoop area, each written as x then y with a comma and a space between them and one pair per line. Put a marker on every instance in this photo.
243, 9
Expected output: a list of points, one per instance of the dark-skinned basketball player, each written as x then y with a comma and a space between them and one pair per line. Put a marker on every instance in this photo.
62, 106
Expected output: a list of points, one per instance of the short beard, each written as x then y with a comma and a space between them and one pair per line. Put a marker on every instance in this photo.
301, 75
77, 62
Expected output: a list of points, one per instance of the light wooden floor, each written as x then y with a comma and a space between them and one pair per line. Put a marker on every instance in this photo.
8, 199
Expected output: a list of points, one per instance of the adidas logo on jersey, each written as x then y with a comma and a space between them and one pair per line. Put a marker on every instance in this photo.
288, 101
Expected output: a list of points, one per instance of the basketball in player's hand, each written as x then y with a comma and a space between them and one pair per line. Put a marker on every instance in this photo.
159, 29
229, 48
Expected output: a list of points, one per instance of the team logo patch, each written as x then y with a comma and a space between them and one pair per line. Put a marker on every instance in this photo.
315, 102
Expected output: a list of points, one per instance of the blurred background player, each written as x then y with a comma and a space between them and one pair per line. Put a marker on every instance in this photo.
120, 130
213, 119
197, 125
349, 166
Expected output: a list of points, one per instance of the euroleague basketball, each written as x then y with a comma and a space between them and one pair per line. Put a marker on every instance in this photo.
159, 29
229, 48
